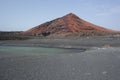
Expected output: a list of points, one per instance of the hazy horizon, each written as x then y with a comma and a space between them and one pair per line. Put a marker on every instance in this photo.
24, 14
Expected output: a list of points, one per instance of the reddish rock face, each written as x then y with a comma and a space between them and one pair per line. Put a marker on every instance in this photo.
65, 26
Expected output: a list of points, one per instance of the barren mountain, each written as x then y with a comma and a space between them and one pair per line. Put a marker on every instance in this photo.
68, 25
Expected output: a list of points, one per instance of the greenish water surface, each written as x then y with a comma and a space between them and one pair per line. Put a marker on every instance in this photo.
38, 50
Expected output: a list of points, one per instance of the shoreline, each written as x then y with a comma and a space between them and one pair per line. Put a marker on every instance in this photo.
98, 61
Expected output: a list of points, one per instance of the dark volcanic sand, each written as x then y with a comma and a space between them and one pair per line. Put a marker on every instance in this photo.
100, 64
86, 42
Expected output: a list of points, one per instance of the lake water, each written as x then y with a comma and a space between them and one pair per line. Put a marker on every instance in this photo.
36, 50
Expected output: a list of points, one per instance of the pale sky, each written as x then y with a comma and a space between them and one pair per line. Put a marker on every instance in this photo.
21, 15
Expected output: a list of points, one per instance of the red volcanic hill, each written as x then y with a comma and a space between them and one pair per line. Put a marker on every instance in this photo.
68, 25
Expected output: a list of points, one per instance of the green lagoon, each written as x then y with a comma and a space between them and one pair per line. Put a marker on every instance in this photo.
36, 50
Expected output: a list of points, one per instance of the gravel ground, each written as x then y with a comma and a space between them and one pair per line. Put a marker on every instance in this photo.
100, 61
67, 43
98, 64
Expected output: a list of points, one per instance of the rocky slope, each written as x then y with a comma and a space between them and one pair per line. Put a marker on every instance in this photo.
68, 25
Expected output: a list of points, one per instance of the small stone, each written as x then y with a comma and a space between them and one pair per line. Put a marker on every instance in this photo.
104, 72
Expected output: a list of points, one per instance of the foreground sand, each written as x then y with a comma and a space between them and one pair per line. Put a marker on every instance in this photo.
100, 60
98, 64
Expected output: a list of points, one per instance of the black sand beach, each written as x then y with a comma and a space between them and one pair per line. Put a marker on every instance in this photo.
99, 60
101, 64
83, 42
